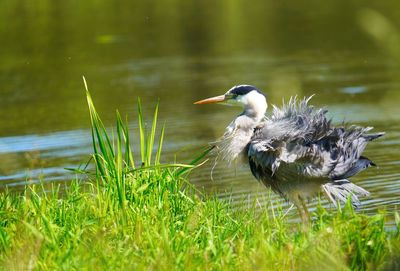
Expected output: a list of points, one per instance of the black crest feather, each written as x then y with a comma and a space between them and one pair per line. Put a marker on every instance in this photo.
244, 89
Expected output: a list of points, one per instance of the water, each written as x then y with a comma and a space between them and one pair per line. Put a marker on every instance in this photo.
177, 51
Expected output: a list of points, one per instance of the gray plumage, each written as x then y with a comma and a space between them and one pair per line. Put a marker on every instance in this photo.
296, 151
299, 142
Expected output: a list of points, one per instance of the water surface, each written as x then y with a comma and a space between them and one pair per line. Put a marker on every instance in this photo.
180, 52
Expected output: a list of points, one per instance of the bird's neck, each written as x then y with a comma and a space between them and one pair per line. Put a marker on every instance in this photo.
238, 135
256, 110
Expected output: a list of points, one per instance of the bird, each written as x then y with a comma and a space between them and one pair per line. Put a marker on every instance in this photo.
295, 151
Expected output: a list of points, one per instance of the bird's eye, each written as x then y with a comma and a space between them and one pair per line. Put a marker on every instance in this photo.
234, 96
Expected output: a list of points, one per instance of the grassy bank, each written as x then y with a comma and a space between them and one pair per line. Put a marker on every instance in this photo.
151, 217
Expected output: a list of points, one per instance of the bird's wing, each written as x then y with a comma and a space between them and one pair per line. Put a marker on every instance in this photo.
311, 160
303, 139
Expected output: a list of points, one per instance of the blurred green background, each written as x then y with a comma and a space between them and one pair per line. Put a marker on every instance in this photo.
346, 52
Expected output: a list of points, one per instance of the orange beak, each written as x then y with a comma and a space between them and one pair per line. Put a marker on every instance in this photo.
216, 99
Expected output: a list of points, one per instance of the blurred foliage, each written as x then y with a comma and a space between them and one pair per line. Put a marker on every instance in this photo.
384, 31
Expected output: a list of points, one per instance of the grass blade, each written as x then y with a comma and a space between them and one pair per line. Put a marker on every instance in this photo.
150, 141
160, 145
142, 132
195, 162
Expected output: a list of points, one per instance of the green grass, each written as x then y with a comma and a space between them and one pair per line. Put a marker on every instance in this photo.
141, 214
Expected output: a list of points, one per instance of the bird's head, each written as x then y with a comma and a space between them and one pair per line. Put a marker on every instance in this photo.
249, 97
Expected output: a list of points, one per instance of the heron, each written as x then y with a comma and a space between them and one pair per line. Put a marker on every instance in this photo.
295, 151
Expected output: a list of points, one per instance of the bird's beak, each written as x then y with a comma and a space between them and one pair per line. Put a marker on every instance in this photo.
216, 99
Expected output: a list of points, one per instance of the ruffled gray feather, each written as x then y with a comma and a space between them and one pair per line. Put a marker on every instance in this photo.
299, 142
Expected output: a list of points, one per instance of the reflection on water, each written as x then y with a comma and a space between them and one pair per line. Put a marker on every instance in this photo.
182, 52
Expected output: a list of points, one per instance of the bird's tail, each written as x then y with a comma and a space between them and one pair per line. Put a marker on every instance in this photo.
341, 190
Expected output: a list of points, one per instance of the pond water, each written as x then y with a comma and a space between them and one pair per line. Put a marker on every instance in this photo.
345, 52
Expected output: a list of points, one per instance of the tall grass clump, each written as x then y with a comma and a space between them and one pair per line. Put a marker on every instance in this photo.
118, 177
134, 212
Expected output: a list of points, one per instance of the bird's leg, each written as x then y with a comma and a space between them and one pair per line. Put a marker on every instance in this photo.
305, 209
305, 216
302, 209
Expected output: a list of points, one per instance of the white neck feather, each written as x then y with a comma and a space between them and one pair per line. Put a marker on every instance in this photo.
238, 134
255, 105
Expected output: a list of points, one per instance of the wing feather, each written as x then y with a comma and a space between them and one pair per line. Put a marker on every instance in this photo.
302, 137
